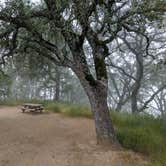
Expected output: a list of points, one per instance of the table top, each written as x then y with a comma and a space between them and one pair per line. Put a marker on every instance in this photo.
33, 105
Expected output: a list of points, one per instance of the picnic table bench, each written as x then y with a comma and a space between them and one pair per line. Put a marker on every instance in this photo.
32, 107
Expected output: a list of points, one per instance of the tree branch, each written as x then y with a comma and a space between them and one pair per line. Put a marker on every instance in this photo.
151, 98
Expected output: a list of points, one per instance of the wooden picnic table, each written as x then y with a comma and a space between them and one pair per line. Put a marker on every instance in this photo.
32, 107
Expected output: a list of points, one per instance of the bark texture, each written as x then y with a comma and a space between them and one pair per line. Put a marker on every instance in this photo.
103, 123
97, 93
137, 84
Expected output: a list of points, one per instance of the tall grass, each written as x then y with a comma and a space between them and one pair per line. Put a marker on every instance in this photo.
11, 103
68, 109
143, 134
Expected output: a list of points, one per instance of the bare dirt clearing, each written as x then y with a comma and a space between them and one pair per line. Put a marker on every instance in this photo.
54, 140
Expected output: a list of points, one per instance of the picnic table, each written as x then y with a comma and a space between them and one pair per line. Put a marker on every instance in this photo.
32, 107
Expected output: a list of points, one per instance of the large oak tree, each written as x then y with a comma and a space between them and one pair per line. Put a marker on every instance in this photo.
59, 31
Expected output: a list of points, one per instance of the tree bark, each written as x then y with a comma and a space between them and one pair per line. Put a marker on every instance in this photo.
104, 128
134, 106
137, 84
97, 94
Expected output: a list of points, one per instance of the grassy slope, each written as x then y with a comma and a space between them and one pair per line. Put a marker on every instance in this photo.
143, 134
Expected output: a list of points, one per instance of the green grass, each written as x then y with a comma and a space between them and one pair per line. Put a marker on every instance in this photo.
68, 109
72, 111
144, 134
10, 103
53, 107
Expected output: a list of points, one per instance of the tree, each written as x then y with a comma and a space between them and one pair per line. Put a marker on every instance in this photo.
5, 85
132, 79
73, 23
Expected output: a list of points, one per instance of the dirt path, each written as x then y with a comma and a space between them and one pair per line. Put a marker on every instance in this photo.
54, 140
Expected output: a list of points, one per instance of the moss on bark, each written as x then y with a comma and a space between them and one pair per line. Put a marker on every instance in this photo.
101, 70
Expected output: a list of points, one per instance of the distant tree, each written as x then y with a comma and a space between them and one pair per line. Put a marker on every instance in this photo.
5, 85
131, 79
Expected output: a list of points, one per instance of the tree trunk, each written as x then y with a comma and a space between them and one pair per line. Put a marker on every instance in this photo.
97, 94
57, 91
137, 84
134, 106
119, 106
96, 89
103, 123
57, 86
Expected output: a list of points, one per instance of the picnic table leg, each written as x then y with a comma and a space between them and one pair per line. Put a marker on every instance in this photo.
23, 110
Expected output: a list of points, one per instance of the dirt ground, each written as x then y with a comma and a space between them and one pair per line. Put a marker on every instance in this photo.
54, 140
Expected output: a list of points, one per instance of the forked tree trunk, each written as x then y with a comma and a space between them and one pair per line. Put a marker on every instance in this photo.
137, 84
